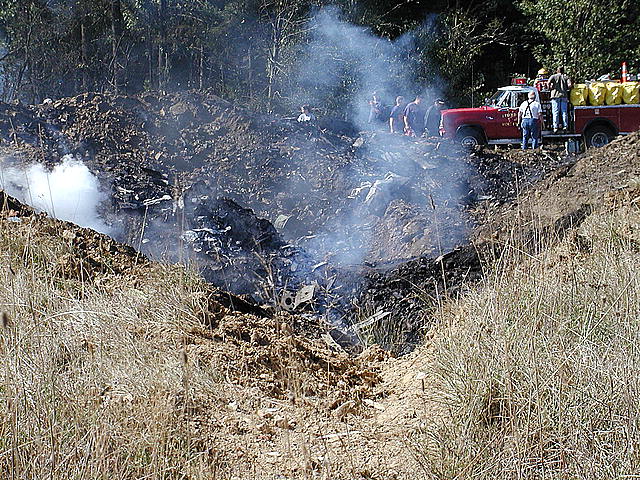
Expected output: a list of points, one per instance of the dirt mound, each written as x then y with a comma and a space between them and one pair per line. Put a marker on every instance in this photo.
273, 210
568, 193
314, 176
271, 354
87, 254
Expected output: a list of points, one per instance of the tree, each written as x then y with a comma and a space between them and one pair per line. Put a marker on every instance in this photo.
29, 33
450, 46
590, 37
287, 21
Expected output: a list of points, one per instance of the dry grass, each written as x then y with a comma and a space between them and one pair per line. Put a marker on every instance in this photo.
118, 375
535, 375
538, 371
93, 377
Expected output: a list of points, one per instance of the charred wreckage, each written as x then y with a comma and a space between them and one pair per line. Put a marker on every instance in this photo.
361, 229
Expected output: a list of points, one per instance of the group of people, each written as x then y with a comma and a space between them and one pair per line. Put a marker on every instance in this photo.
530, 118
413, 119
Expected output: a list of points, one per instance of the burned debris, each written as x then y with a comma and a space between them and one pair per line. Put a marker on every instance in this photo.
316, 219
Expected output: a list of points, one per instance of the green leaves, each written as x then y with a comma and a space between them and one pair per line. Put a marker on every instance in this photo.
590, 37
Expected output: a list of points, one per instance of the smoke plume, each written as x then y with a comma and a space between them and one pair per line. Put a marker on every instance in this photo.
68, 192
347, 63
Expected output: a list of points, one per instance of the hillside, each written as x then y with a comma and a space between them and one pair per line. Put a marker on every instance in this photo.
118, 366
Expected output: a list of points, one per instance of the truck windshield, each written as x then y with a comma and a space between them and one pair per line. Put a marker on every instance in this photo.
498, 98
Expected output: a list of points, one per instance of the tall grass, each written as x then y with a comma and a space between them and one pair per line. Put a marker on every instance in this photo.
533, 375
142, 375
538, 371
93, 381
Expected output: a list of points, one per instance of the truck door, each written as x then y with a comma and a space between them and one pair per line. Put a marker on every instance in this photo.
506, 122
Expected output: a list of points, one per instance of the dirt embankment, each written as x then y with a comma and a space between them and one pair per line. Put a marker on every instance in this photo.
341, 209
564, 197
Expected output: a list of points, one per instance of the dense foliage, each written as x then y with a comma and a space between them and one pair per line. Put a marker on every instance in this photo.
591, 37
250, 51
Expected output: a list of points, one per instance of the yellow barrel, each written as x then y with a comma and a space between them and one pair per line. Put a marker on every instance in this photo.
614, 93
631, 92
578, 95
597, 93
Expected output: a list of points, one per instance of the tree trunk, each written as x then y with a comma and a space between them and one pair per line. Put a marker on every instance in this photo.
84, 55
273, 60
162, 54
115, 34
150, 50
201, 68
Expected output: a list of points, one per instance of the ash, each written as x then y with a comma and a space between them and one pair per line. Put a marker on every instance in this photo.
355, 228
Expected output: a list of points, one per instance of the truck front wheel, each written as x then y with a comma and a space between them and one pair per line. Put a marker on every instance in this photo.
470, 137
598, 136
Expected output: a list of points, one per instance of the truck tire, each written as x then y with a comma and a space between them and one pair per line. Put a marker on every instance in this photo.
470, 137
598, 136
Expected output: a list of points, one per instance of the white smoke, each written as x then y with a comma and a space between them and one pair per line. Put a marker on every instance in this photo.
68, 192
346, 63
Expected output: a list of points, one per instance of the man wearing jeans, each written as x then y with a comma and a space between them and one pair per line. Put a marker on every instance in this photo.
530, 120
560, 86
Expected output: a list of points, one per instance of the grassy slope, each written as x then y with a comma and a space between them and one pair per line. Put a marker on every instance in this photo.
90, 371
532, 375
538, 370
134, 372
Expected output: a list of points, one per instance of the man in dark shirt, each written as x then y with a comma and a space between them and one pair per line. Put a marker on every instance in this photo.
396, 118
414, 117
432, 118
560, 86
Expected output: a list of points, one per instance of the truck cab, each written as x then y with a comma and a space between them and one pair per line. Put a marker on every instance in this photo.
495, 122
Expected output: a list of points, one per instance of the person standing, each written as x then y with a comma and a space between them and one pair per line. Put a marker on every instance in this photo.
432, 118
530, 120
396, 117
414, 117
376, 110
542, 80
560, 86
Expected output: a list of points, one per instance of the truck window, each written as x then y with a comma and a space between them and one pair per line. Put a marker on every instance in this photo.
499, 99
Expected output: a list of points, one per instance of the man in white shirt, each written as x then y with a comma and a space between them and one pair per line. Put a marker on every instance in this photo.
306, 115
530, 120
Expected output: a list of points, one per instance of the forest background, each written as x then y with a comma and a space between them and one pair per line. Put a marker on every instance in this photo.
273, 55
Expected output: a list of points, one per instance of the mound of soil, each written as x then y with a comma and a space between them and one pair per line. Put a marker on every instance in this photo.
270, 209
567, 194
324, 190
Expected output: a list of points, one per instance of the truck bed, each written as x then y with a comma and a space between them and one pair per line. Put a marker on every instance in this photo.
623, 118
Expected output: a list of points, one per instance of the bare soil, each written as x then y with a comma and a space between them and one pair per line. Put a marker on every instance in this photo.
295, 406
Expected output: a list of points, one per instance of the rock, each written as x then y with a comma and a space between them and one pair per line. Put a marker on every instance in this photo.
179, 108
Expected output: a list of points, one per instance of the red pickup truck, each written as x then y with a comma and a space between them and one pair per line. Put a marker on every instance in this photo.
496, 122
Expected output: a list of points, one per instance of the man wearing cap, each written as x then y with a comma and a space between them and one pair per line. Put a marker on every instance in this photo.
542, 80
530, 120
432, 118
